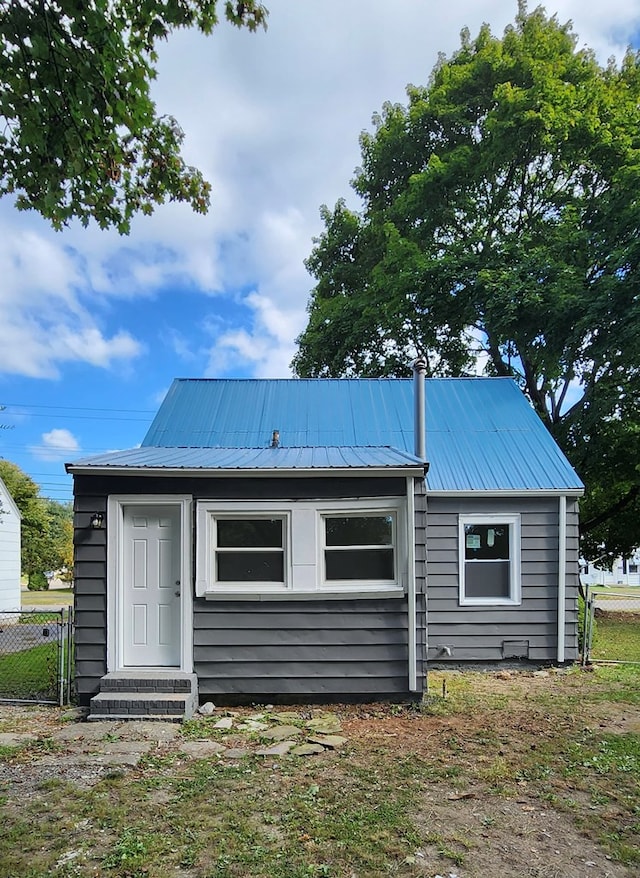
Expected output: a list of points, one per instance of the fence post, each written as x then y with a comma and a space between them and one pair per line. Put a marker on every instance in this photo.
592, 613
61, 661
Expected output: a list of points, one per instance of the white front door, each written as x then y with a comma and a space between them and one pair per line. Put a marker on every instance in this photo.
151, 586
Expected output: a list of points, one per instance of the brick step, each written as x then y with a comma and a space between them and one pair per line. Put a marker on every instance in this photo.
137, 705
128, 695
137, 682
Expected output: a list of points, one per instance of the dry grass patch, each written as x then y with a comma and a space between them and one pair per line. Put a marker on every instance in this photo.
522, 775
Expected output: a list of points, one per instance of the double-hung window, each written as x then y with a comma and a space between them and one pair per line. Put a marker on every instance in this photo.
242, 551
300, 547
249, 550
489, 559
360, 548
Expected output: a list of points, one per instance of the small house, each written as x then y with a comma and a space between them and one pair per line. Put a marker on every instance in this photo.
321, 539
9, 551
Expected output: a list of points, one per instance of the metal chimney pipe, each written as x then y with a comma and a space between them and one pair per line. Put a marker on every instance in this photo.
419, 417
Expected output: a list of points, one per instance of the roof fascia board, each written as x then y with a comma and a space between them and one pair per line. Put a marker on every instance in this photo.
409, 469
511, 492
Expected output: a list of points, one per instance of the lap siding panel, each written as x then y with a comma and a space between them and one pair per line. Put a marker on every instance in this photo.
339, 649
483, 633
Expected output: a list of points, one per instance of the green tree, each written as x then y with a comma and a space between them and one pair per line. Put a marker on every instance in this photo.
46, 526
500, 232
61, 537
80, 135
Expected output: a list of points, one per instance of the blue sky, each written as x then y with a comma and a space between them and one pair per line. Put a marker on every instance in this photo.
93, 327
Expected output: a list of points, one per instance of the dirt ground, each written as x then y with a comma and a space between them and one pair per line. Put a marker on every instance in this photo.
512, 832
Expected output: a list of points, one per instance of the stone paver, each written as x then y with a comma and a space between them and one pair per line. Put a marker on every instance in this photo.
286, 716
329, 742
327, 724
307, 750
13, 739
112, 748
202, 749
149, 731
118, 743
279, 749
92, 759
252, 725
236, 753
87, 731
280, 733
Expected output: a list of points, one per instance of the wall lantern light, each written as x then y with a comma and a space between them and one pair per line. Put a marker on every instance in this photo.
97, 520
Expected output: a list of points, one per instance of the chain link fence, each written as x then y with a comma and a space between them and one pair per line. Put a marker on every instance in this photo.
36, 656
612, 626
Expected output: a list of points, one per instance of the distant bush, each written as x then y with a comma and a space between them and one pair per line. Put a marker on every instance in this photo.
38, 581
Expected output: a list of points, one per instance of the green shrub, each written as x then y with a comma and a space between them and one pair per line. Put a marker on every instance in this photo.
38, 582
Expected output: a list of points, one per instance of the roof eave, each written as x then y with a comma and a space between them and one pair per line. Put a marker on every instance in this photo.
88, 470
508, 492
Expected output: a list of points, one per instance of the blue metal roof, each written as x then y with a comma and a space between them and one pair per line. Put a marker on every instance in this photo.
254, 458
482, 434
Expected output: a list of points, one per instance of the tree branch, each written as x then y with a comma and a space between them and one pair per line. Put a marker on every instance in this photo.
618, 506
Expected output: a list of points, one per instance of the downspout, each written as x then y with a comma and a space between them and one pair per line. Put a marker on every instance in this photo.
562, 575
411, 584
420, 447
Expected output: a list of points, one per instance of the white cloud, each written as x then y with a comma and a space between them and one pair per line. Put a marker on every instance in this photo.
57, 444
272, 119
46, 314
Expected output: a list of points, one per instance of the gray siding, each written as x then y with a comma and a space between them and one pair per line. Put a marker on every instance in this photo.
346, 648
483, 634
312, 648
90, 596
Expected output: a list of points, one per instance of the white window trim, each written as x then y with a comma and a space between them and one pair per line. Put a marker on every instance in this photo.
252, 585
304, 579
349, 584
513, 520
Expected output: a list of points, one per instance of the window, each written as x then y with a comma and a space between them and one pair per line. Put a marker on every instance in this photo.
303, 548
249, 550
359, 547
489, 551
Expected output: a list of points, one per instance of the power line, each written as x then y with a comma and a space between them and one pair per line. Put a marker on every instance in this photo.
71, 408
7, 412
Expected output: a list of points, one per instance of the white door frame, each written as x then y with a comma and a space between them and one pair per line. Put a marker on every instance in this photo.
115, 575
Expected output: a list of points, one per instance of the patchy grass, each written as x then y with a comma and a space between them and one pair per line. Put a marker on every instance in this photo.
611, 591
30, 672
53, 597
617, 637
520, 770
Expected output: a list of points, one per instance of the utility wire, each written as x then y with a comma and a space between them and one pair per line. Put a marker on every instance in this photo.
82, 408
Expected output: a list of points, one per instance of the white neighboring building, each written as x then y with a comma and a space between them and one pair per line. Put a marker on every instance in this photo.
9, 551
625, 571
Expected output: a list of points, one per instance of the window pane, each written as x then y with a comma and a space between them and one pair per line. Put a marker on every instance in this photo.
250, 566
487, 579
359, 564
259, 533
486, 542
363, 530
